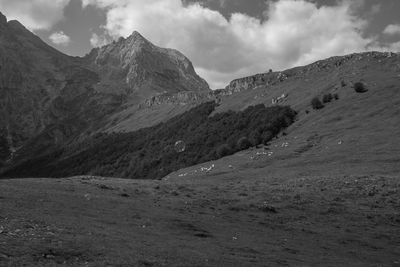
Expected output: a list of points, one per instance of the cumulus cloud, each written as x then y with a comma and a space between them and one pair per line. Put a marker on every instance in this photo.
98, 40
375, 9
34, 14
60, 38
296, 32
392, 29
394, 47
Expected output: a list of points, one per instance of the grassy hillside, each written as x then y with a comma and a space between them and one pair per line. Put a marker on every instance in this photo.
355, 128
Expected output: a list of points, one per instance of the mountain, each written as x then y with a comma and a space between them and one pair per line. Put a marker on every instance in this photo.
54, 102
48, 98
33, 78
136, 66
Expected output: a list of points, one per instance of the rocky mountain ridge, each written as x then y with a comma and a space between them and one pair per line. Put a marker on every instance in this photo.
272, 78
269, 79
137, 66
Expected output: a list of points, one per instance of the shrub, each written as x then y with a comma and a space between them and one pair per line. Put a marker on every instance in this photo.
224, 150
4, 148
266, 137
336, 96
359, 87
255, 137
243, 143
316, 103
343, 83
327, 98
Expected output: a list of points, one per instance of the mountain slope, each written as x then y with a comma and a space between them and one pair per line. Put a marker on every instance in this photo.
33, 76
358, 133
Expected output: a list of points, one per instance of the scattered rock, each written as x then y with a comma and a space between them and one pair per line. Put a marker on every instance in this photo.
105, 187
3, 256
207, 169
267, 208
203, 235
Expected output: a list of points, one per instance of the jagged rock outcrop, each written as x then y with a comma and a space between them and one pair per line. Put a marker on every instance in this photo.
181, 98
136, 66
250, 82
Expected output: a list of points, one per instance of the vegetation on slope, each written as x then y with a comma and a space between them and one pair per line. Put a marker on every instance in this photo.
4, 150
316, 103
359, 87
151, 152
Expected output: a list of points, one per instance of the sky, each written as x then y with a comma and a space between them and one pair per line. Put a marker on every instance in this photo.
225, 39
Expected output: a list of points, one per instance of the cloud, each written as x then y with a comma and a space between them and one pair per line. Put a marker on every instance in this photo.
394, 47
375, 9
60, 38
98, 40
34, 14
392, 29
296, 32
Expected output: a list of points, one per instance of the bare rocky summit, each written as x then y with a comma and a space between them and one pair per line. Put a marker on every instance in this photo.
136, 66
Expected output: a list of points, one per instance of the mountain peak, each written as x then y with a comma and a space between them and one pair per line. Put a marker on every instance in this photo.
137, 40
136, 65
136, 35
16, 25
3, 19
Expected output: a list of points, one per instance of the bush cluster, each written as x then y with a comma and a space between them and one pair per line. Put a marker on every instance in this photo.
149, 153
316, 103
336, 96
359, 87
4, 150
327, 98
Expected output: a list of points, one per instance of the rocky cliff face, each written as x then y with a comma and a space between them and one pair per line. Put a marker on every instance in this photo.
135, 66
181, 98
